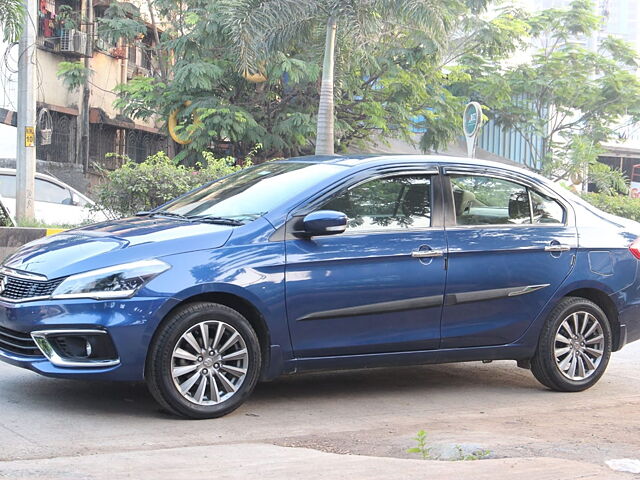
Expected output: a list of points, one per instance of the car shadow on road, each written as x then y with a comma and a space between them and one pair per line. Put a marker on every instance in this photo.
350, 387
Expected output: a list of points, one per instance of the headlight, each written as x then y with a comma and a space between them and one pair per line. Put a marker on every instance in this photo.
119, 281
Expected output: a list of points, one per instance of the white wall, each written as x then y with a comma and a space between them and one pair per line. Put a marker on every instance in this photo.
8, 98
8, 137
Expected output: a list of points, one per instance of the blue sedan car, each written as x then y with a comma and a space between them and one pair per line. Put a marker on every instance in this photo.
326, 263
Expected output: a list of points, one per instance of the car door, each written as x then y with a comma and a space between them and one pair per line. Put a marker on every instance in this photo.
511, 243
377, 287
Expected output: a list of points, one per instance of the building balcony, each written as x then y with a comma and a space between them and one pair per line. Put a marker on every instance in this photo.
70, 42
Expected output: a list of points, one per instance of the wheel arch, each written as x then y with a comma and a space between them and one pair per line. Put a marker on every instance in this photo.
241, 305
600, 298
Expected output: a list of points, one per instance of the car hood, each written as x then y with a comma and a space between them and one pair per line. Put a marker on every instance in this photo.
111, 243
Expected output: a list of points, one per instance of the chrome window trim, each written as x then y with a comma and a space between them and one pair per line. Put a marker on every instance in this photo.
59, 361
385, 232
507, 225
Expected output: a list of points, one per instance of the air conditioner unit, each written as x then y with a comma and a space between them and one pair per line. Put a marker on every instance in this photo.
73, 41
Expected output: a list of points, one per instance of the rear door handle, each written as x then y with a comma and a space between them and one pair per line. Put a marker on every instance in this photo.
557, 247
427, 253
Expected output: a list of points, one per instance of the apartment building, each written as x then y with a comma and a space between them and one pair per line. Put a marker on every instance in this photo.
63, 35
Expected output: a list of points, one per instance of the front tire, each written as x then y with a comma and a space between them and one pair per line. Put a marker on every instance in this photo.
574, 346
204, 362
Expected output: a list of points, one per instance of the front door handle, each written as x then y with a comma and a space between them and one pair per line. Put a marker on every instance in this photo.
557, 247
427, 253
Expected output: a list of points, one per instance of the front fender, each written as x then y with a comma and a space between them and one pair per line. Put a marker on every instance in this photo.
252, 273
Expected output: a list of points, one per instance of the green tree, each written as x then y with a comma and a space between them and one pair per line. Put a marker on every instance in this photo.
142, 186
11, 19
567, 94
260, 28
391, 78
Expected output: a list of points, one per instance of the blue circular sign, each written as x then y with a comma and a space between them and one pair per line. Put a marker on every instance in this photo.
472, 119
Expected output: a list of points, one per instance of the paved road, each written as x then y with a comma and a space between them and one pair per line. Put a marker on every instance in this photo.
352, 424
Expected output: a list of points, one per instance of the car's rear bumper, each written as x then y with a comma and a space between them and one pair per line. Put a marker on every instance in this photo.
130, 323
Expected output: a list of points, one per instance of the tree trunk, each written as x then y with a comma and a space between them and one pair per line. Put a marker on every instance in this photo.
156, 37
324, 135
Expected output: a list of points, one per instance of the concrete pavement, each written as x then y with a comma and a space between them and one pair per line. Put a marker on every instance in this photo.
350, 424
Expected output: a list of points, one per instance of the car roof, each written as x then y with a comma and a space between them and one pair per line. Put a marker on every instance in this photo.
44, 176
373, 159
12, 171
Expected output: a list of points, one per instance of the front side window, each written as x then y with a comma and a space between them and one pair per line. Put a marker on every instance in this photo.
8, 186
392, 203
483, 200
52, 193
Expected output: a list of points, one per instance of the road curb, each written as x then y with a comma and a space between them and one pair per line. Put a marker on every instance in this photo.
12, 238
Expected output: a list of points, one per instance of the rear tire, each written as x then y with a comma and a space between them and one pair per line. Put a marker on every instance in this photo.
574, 346
204, 362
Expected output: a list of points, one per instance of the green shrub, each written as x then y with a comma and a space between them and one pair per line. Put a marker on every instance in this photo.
619, 205
142, 186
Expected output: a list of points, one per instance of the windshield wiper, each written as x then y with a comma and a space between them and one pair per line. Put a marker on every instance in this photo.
166, 213
218, 220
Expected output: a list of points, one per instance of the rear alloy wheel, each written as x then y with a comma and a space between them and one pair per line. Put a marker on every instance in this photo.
579, 346
204, 362
574, 347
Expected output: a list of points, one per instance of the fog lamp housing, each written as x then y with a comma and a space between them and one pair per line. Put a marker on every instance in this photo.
77, 348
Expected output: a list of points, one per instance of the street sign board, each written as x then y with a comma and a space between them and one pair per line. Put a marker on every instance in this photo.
29, 136
471, 123
472, 119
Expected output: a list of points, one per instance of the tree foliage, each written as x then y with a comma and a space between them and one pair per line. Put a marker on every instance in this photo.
142, 186
12, 15
619, 205
391, 81
567, 93
73, 74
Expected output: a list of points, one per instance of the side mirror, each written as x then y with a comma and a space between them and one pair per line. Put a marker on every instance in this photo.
324, 222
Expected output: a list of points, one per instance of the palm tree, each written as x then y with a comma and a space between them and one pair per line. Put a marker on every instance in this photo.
261, 27
11, 17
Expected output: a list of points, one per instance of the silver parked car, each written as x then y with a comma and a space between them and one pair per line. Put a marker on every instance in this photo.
56, 202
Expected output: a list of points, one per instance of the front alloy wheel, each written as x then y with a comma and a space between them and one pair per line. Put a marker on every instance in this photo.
204, 362
574, 346
209, 363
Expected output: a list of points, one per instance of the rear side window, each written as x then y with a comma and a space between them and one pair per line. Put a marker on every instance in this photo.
545, 209
483, 200
393, 203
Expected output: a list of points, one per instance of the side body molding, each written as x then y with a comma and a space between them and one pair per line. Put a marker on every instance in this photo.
423, 302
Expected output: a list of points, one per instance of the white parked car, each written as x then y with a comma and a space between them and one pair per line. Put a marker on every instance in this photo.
56, 203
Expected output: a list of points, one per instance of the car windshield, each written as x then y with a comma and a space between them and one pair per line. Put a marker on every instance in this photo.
251, 193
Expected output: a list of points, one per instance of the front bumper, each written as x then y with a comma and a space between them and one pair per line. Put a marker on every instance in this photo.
130, 323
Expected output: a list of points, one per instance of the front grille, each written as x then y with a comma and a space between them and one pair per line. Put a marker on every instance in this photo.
18, 342
20, 288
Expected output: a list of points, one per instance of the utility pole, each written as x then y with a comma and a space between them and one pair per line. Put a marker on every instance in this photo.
86, 89
27, 92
